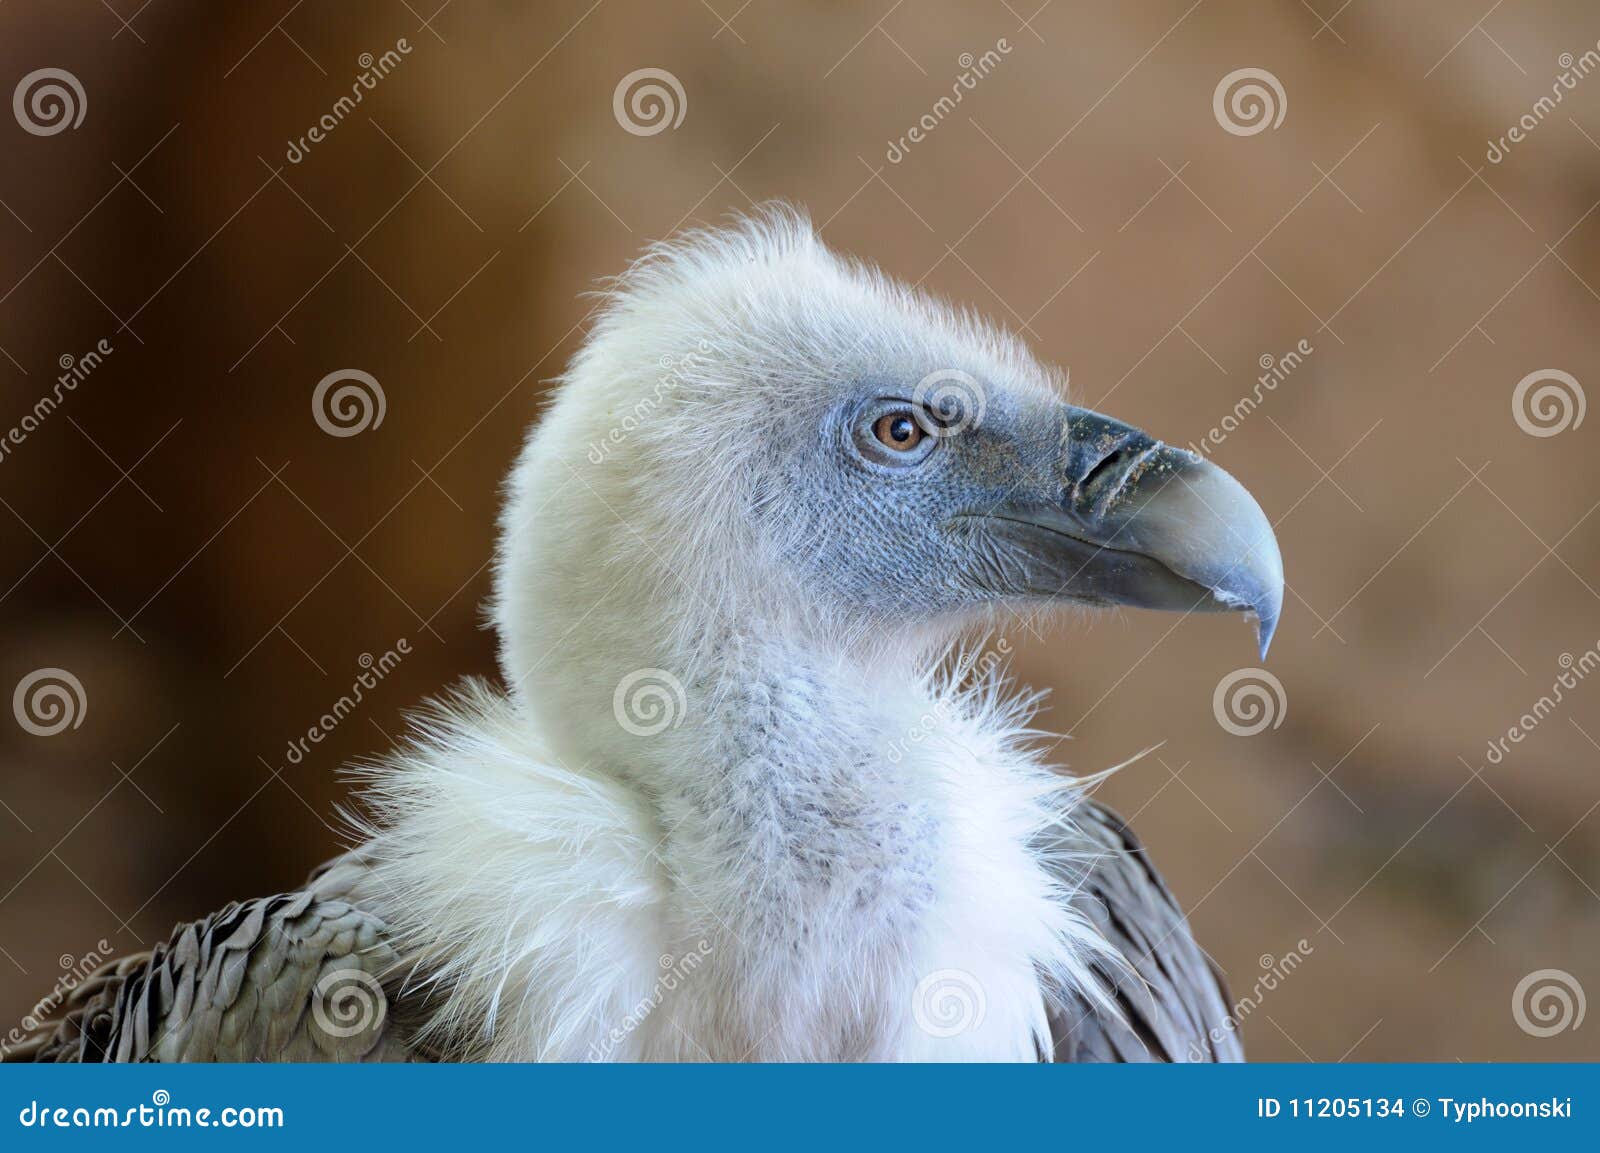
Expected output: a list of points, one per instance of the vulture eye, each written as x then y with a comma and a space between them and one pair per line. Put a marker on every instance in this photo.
898, 431
893, 434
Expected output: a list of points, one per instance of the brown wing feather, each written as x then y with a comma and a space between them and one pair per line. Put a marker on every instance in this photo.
1174, 1002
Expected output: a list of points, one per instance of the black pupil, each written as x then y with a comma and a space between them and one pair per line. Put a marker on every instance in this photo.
901, 429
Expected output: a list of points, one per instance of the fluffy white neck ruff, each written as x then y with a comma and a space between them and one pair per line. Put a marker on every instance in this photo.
840, 869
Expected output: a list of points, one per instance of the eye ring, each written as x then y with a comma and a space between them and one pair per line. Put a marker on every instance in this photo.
898, 431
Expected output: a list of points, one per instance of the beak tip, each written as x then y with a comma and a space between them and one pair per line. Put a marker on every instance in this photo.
1267, 603
1265, 627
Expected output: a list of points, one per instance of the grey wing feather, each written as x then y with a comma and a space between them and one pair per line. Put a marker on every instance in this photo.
301, 976
1173, 1001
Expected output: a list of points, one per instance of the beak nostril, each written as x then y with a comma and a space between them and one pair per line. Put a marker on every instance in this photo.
1099, 450
1114, 473
1114, 458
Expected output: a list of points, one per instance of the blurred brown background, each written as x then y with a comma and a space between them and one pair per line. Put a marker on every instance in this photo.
183, 538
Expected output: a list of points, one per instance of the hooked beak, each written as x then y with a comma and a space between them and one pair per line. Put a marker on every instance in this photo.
1132, 521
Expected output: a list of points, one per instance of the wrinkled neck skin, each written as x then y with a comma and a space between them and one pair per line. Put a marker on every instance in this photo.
836, 829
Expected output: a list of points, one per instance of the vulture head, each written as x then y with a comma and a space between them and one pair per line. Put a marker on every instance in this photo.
763, 439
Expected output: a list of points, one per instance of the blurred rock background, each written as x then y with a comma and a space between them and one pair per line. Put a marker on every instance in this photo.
182, 537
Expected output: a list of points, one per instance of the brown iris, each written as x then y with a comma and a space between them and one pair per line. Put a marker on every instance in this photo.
897, 430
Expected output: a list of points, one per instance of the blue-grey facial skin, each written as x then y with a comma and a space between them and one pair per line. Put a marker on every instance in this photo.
1027, 499
892, 536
